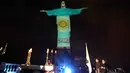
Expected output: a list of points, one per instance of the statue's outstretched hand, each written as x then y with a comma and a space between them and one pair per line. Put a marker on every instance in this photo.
85, 8
42, 10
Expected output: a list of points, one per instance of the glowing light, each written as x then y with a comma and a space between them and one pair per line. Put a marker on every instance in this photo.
49, 68
63, 66
67, 70
41, 66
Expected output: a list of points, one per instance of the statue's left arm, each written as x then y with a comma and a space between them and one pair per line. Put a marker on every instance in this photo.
77, 11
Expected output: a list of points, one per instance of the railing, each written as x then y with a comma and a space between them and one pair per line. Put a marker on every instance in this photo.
10, 68
17, 68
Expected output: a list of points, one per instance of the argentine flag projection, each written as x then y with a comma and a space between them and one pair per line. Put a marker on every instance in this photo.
63, 23
63, 26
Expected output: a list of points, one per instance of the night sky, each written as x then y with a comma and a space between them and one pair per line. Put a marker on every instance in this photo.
104, 26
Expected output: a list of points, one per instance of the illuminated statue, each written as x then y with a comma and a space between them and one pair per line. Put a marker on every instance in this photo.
64, 28
63, 23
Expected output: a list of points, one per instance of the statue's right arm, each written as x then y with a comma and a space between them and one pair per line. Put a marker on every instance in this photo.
85, 8
49, 12
43, 11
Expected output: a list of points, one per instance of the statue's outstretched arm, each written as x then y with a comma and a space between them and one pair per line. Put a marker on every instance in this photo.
43, 11
85, 8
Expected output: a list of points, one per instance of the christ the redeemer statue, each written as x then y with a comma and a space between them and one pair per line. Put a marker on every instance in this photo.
63, 23
63, 14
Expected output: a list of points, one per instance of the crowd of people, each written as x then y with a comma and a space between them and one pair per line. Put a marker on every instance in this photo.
101, 66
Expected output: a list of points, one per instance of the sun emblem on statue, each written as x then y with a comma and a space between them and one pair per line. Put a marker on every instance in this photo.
63, 24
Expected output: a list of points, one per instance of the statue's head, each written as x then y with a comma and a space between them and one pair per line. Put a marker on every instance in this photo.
63, 4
